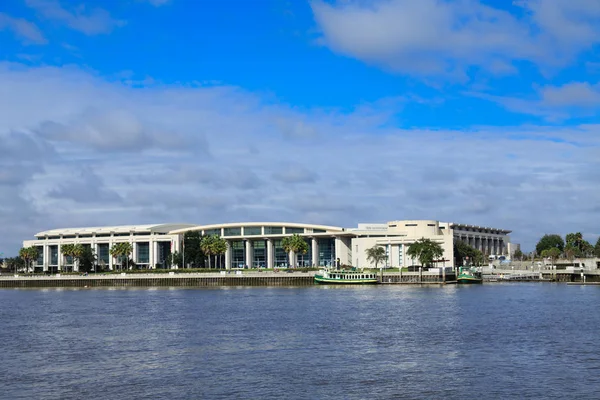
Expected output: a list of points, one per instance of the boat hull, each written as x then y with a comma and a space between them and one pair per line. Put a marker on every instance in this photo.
330, 281
468, 280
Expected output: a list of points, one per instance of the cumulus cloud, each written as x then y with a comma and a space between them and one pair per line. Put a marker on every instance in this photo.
113, 130
25, 30
432, 37
555, 103
217, 154
88, 21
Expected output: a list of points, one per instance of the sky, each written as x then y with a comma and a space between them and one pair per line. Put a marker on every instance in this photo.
334, 112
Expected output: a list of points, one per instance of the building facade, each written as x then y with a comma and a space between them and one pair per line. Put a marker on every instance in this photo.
259, 244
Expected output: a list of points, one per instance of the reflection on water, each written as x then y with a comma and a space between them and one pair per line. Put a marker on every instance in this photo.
484, 341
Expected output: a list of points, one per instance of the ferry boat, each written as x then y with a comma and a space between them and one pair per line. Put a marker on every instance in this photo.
345, 277
468, 275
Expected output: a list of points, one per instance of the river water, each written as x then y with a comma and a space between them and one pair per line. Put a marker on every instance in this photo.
491, 341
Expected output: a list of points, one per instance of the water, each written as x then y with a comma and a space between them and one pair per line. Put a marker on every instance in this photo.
491, 341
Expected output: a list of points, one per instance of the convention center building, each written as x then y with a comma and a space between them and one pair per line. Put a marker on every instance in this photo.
259, 244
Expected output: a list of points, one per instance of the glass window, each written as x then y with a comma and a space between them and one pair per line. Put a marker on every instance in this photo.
143, 253
141, 233
237, 254
318, 230
53, 255
209, 232
121, 234
252, 231
293, 230
99, 235
103, 254
326, 252
54, 237
260, 254
232, 231
40, 255
281, 257
273, 230
164, 250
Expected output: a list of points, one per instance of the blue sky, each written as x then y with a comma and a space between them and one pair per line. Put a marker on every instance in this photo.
339, 112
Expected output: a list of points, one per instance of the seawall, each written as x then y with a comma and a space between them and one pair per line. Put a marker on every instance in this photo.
203, 280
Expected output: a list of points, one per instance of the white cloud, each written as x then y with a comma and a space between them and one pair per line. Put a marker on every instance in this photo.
577, 94
432, 37
554, 103
88, 21
220, 154
27, 31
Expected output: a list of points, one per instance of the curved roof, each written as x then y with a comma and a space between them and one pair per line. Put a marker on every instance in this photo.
256, 224
162, 228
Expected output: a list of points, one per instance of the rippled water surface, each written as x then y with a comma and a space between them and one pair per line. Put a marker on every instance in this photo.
491, 341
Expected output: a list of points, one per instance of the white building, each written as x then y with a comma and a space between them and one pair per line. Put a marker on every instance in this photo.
258, 244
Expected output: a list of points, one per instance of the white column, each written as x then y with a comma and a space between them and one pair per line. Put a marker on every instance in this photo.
150, 254
315, 252
46, 253
291, 258
59, 258
392, 255
249, 254
154, 248
97, 253
134, 256
228, 256
402, 260
270, 254
111, 263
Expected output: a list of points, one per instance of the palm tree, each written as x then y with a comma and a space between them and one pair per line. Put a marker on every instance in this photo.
120, 250
28, 254
219, 247
75, 251
426, 251
295, 244
376, 254
207, 246
67, 251
552, 254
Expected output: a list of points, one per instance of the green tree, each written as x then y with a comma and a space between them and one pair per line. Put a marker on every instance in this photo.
426, 251
549, 241
294, 244
74, 251
465, 254
28, 254
121, 252
87, 259
67, 251
14, 263
576, 246
552, 253
518, 255
376, 254
193, 250
207, 246
219, 247
597, 248
174, 259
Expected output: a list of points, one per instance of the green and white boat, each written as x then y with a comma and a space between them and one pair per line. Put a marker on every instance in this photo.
345, 277
468, 275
